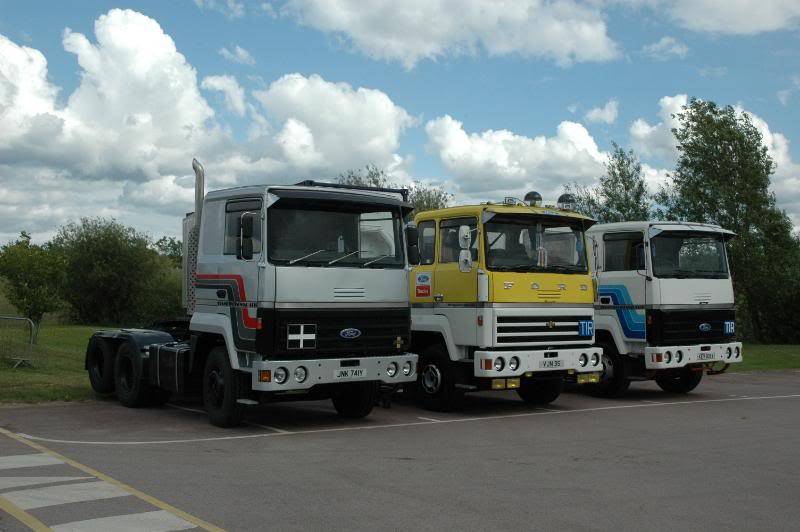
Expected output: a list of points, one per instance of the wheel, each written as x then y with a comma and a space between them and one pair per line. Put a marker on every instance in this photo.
356, 399
100, 365
131, 390
221, 389
436, 382
614, 381
540, 391
683, 382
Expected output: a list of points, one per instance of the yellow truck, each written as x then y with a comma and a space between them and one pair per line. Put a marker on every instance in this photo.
502, 298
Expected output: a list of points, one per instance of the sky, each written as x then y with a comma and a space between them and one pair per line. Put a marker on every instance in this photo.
103, 105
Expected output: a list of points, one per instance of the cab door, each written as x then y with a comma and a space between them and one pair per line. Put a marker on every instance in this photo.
421, 282
455, 292
622, 281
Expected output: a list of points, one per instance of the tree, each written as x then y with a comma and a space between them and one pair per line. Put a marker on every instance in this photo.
621, 195
423, 197
171, 248
113, 276
34, 276
723, 177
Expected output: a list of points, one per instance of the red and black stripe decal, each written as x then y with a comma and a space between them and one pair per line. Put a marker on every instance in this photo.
244, 325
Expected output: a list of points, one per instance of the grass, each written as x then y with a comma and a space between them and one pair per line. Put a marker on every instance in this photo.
758, 357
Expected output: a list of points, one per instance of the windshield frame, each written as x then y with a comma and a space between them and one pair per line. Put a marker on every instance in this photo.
335, 259
533, 220
726, 274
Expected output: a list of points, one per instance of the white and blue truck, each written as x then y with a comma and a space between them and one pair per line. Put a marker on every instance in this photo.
291, 292
665, 307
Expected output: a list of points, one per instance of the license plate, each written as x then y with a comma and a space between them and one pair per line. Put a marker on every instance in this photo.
349, 373
705, 356
548, 364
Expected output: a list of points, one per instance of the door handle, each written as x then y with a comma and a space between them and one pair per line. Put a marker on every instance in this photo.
438, 297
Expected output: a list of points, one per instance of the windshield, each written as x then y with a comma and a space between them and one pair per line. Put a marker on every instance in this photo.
529, 243
326, 234
684, 255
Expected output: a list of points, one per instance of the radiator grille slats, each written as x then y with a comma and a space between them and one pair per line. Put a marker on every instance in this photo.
538, 330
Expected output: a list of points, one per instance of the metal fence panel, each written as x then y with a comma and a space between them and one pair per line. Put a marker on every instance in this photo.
17, 341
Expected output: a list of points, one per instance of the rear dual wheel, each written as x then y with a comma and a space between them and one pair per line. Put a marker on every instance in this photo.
132, 390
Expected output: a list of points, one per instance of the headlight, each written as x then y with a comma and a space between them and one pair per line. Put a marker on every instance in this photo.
738, 352
513, 364
280, 375
679, 356
728, 352
300, 374
595, 359
583, 360
408, 367
668, 357
391, 369
499, 364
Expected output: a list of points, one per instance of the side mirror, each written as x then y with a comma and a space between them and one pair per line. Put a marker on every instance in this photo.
412, 245
464, 236
465, 261
244, 246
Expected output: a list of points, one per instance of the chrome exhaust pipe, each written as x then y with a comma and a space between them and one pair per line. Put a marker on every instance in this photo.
199, 191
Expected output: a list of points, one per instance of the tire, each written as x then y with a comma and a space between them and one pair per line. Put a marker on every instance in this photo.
100, 365
355, 400
436, 382
221, 389
683, 382
614, 381
540, 391
132, 391
157, 396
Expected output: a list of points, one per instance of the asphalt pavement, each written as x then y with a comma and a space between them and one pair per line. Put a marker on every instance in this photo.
723, 457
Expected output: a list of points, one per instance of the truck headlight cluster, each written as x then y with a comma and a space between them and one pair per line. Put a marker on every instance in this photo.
738, 353
408, 368
728, 353
678, 356
391, 369
513, 364
300, 374
583, 360
595, 359
280, 375
668, 357
499, 364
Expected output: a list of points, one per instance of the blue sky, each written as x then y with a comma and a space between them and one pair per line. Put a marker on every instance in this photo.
508, 94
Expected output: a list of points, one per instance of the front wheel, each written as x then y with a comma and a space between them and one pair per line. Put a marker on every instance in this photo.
221, 389
684, 381
614, 381
355, 400
540, 392
436, 382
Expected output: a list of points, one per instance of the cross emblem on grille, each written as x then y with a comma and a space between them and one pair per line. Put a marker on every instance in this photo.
301, 336
398, 342
551, 324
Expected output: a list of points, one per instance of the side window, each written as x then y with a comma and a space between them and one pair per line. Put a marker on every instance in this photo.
233, 214
450, 249
427, 241
624, 252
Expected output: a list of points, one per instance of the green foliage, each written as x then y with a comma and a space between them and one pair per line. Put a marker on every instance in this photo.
423, 197
34, 277
723, 177
114, 276
622, 194
170, 247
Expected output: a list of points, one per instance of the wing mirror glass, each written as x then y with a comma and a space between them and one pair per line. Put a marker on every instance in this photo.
412, 245
465, 261
464, 236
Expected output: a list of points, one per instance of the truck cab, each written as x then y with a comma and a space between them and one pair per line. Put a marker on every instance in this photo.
502, 299
292, 292
665, 308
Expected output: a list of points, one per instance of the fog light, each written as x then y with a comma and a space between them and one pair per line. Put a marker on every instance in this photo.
583, 360
408, 367
499, 364
391, 369
513, 364
668, 357
738, 352
595, 359
280, 376
300, 374
728, 352
679, 356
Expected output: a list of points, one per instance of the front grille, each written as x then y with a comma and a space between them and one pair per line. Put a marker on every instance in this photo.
539, 330
379, 332
680, 327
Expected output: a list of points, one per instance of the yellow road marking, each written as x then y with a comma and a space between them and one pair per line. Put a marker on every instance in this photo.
22, 516
33, 523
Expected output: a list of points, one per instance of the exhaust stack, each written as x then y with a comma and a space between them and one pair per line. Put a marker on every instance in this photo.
199, 190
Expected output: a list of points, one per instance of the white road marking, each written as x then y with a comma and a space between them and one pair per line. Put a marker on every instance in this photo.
429, 419
186, 408
160, 521
409, 424
276, 429
68, 493
18, 482
27, 460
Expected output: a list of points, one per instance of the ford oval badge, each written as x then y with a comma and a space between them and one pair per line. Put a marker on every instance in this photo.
705, 327
349, 334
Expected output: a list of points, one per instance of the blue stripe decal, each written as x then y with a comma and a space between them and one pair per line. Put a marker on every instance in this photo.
632, 322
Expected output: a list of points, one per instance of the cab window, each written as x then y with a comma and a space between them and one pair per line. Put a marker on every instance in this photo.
624, 252
427, 241
233, 214
450, 248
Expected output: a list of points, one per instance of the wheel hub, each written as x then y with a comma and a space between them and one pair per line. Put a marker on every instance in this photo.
431, 379
608, 368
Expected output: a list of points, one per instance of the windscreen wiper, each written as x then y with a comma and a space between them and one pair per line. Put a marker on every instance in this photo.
375, 260
306, 256
334, 261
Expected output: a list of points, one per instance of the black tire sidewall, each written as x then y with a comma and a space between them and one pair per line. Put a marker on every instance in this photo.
356, 400
132, 394
540, 391
228, 414
448, 397
101, 354
685, 382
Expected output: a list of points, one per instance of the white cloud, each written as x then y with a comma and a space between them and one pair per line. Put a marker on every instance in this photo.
742, 17
658, 140
231, 90
566, 31
229, 8
665, 49
496, 162
784, 95
606, 114
713, 72
237, 55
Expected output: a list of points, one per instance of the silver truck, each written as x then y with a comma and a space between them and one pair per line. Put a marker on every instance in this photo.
291, 292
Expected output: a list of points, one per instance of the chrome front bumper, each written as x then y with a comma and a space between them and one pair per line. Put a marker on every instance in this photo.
536, 361
655, 357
